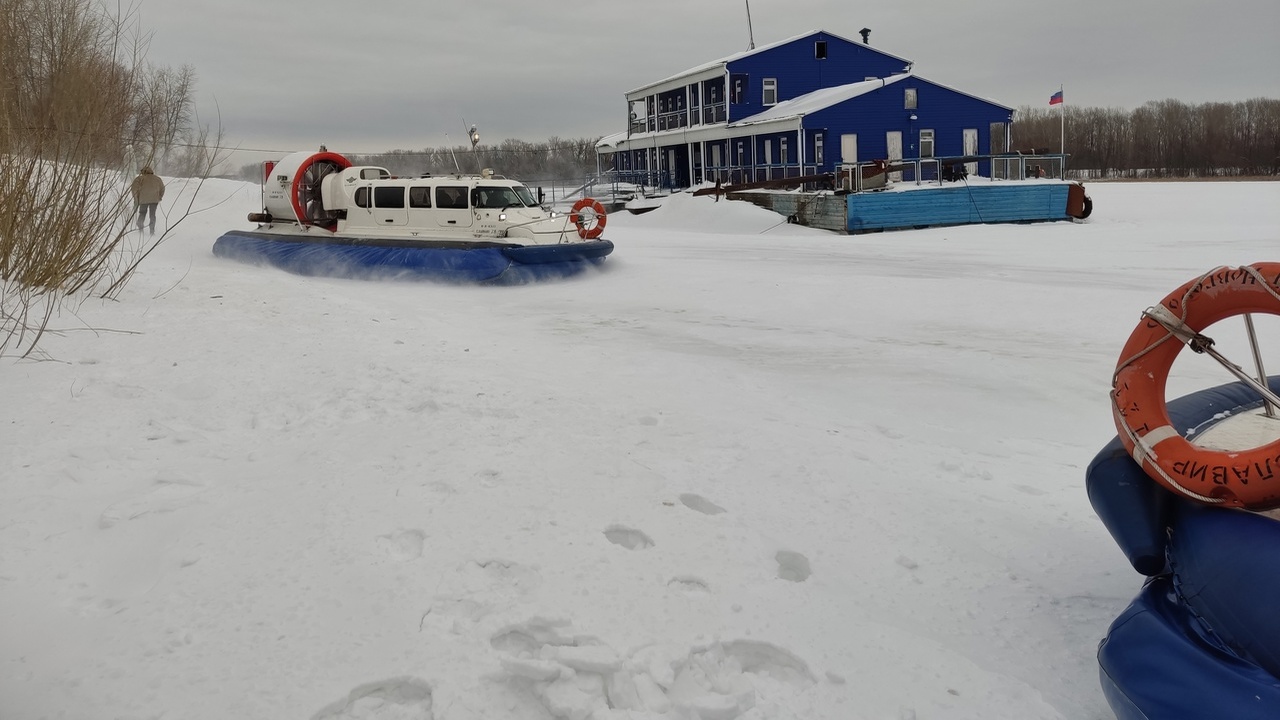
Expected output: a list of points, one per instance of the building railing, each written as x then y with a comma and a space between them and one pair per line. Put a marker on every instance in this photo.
715, 113
856, 177
673, 120
1021, 167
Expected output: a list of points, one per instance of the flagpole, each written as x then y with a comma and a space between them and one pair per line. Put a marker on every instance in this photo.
1062, 114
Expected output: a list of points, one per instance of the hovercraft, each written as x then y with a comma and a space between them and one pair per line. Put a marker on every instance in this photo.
321, 215
1188, 490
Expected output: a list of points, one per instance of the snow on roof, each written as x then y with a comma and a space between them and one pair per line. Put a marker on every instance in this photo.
611, 140
821, 99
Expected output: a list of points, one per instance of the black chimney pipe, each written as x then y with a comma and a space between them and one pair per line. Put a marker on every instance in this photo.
866, 33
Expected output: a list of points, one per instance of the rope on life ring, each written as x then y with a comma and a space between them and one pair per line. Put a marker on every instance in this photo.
590, 224
1240, 478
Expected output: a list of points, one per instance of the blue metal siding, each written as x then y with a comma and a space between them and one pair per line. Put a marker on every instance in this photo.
947, 112
957, 206
798, 71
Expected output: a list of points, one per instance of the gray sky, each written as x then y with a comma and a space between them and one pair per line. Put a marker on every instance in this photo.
284, 75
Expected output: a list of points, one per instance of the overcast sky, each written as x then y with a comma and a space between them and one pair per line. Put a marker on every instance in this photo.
360, 77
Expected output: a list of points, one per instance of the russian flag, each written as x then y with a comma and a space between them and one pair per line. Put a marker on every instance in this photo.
1056, 98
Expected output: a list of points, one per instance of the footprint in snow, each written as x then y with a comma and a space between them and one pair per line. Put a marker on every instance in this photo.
792, 566
402, 546
689, 584
701, 504
628, 538
403, 698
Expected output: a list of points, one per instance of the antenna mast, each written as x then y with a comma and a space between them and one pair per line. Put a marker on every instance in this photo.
474, 136
751, 38
452, 153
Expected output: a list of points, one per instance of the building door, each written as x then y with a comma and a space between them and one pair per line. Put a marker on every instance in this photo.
971, 148
893, 152
849, 149
848, 158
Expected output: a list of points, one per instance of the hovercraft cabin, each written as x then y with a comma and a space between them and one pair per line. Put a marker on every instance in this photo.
807, 105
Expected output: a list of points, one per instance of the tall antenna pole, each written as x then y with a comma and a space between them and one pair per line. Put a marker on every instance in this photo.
1062, 119
751, 38
452, 154
474, 136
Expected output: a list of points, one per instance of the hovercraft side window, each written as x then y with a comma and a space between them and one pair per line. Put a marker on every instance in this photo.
451, 198
388, 197
362, 197
419, 197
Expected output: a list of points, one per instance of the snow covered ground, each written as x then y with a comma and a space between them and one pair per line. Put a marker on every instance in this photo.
750, 470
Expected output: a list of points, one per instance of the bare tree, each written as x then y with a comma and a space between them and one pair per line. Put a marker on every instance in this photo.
65, 211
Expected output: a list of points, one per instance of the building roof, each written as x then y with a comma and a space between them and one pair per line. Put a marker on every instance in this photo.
820, 99
720, 63
827, 97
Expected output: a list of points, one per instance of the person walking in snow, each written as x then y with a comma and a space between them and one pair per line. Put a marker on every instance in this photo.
148, 191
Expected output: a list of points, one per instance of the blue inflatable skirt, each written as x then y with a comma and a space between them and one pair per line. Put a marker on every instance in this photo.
491, 263
1202, 638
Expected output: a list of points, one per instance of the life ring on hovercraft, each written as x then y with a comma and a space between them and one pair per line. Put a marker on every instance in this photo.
576, 217
1246, 478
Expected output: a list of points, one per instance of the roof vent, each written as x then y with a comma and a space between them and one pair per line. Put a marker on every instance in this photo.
866, 34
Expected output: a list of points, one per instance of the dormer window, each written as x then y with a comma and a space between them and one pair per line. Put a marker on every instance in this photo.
770, 91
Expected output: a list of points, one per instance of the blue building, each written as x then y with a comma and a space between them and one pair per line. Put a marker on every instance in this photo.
802, 106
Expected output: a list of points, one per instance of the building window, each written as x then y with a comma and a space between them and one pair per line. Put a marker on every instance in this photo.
770, 91
782, 150
738, 88
820, 49
909, 98
926, 143
998, 139
817, 148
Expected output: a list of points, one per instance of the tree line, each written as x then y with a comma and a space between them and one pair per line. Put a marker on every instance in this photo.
77, 81
1165, 138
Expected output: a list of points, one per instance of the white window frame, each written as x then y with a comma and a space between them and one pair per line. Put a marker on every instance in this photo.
909, 100
926, 140
770, 92
817, 149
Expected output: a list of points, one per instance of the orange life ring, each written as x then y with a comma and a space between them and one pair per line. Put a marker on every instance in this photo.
1244, 478
576, 217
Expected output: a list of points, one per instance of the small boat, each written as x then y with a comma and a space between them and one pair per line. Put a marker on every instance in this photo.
321, 215
1189, 490
641, 204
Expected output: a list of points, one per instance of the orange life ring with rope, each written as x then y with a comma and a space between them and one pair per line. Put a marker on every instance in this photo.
1244, 478
588, 230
